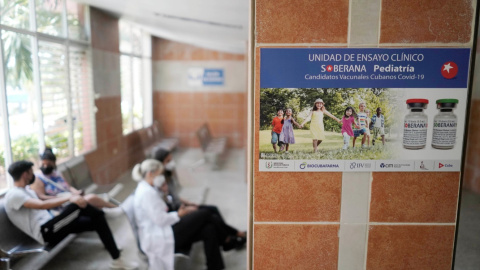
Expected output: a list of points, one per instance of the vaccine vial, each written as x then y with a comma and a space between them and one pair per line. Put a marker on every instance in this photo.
415, 125
445, 125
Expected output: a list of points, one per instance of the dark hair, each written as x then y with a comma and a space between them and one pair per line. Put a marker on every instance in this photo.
354, 114
16, 169
161, 154
48, 155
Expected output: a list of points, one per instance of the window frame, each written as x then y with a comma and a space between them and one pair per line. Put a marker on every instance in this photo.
67, 43
146, 88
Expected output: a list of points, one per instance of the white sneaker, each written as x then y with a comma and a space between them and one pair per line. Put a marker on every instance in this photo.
345, 147
113, 212
122, 264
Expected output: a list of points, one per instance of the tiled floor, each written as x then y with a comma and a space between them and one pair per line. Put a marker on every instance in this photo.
226, 188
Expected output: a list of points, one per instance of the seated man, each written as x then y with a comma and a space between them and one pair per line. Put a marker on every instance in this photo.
31, 215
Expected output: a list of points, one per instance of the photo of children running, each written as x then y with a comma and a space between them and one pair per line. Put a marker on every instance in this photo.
317, 128
320, 123
287, 137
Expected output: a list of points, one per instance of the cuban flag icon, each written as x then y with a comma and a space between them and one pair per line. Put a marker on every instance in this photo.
449, 70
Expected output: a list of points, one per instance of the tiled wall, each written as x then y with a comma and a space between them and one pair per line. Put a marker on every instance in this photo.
355, 220
182, 108
115, 152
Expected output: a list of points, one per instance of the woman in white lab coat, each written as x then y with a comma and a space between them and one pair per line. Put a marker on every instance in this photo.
157, 239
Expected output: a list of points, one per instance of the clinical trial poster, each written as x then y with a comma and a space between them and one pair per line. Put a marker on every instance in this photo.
362, 109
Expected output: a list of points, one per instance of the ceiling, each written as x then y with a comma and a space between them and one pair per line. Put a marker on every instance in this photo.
214, 24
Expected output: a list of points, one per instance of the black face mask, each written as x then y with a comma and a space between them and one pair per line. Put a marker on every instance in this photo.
47, 170
32, 180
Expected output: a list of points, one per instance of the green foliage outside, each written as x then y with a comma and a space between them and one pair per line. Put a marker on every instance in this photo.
329, 149
26, 147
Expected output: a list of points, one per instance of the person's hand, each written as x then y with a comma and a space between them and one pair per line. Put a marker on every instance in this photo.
78, 200
184, 210
189, 203
191, 208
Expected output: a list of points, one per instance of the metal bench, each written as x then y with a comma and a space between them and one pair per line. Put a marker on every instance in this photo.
154, 139
20, 249
214, 148
76, 172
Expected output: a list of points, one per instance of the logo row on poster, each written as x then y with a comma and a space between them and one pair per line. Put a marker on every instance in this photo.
358, 165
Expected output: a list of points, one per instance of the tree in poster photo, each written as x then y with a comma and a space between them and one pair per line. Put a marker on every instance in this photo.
317, 129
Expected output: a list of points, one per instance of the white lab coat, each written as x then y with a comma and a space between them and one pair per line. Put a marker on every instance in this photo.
155, 227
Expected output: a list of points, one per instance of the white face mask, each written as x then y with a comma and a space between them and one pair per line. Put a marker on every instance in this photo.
158, 181
170, 166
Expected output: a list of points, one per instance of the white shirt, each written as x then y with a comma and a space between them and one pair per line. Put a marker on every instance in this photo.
155, 226
26, 219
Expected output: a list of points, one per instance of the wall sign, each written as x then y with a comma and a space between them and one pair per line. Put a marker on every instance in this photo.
206, 77
362, 109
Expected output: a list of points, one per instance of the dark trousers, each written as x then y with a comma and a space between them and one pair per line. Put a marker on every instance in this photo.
199, 226
74, 219
229, 230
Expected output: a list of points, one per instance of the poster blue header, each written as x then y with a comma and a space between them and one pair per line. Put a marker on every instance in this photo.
372, 68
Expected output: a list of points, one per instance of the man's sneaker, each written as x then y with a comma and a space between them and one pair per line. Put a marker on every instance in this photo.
364, 146
120, 263
345, 146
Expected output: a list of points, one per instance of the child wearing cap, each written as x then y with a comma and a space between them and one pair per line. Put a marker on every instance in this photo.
317, 128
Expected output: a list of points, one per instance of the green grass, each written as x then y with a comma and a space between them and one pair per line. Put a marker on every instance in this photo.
329, 149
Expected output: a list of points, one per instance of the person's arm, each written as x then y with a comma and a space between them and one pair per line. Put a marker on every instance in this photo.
188, 203
75, 191
309, 117
46, 204
357, 125
331, 115
39, 188
295, 123
154, 208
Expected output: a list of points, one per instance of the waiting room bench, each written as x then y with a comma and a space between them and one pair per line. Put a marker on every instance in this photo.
76, 172
16, 245
153, 139
214, 149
